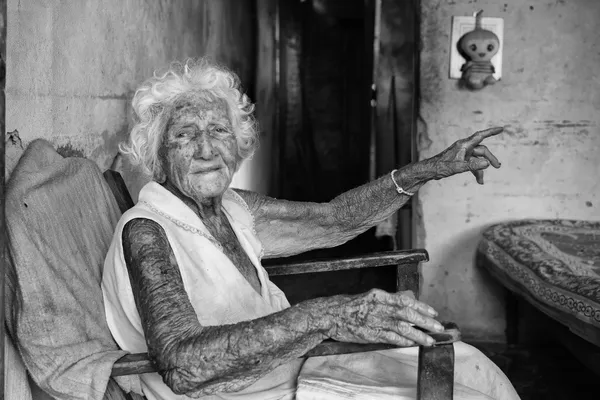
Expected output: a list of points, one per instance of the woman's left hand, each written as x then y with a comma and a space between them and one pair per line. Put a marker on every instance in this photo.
466, 155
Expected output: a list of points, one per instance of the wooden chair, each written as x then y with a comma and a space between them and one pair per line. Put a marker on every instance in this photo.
436, 364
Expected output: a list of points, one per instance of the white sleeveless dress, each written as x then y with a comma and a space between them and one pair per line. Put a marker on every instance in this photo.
218, 292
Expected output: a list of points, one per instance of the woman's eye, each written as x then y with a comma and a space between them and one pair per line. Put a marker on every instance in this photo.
221, 129
183, 134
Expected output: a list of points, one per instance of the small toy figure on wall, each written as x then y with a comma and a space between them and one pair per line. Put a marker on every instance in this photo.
478, 47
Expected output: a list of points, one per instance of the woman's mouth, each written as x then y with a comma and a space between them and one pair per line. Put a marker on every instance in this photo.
207, 170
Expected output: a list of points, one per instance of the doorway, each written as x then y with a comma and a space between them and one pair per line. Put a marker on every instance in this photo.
340, 120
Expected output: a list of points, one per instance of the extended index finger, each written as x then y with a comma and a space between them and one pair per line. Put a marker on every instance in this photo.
479, 136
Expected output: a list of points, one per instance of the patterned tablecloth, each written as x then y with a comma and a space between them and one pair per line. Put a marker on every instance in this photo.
553, 262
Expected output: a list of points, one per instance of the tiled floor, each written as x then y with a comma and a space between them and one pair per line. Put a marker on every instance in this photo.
550, 373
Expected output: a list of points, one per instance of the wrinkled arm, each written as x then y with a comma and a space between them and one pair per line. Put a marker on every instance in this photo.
286, 228
198, 360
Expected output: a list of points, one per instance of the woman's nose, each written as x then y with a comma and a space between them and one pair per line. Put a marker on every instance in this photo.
205, 148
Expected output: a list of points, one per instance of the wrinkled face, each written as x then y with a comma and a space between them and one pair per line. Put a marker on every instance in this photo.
199, 148
480, 45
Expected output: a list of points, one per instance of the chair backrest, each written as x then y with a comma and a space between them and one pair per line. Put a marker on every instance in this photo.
119, 190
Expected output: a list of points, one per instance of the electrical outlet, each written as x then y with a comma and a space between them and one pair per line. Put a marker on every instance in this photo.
464, 24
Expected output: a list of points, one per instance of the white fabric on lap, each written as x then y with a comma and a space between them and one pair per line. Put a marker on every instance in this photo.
392, 374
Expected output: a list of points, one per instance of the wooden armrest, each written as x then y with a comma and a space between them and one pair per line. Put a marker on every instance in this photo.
133, 364
396, 257
332, 347
141, 364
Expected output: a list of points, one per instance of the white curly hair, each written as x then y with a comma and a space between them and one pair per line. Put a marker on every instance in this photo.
155, 96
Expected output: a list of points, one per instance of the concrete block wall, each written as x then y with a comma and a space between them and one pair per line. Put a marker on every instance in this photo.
73, 65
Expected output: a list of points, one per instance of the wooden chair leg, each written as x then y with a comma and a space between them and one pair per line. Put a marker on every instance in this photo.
435, 380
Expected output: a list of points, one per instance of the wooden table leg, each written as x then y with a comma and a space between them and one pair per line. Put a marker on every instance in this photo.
435, 379
512, 318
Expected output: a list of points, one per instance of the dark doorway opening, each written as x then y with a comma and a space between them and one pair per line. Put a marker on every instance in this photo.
332, 135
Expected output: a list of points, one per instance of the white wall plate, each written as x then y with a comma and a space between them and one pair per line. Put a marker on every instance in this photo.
464, 24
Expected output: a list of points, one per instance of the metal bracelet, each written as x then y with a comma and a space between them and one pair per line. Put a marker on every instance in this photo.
398, 188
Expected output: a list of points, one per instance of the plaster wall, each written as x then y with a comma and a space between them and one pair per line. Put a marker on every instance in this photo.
548, 99
73, 65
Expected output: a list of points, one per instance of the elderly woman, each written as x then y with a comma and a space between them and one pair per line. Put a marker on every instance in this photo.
183, 279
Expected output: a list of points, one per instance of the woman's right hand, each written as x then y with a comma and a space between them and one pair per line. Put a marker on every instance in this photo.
381, 317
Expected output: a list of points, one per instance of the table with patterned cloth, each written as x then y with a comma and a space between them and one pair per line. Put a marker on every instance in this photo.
553, 264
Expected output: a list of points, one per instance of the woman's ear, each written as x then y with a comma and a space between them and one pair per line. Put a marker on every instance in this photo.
161, 160
158, 174
160, 177
238, 162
